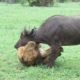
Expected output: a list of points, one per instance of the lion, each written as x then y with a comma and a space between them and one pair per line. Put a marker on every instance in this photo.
32, 54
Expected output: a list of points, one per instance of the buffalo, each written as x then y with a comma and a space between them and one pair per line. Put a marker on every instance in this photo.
56, 31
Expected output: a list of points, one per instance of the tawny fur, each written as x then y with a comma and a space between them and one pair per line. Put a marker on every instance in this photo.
31, 52
28, 53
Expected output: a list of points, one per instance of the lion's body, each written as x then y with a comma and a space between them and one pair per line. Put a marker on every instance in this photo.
29, 54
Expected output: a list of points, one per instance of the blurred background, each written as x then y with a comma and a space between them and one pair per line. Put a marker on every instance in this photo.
38, 2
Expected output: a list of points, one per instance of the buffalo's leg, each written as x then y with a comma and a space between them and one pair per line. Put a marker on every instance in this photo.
59, 51
56, 52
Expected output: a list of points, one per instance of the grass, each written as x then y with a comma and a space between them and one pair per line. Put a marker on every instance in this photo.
13, 17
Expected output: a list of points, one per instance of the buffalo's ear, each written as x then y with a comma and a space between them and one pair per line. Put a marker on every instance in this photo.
32, 31
24, 32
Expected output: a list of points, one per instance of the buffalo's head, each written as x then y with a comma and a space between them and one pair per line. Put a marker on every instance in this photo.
25, 37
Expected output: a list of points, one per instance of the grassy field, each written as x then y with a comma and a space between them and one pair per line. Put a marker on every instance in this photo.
12, 20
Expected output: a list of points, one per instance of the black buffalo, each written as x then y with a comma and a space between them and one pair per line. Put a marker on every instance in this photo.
56, 31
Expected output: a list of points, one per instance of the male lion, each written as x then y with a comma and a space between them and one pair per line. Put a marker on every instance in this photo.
32, 54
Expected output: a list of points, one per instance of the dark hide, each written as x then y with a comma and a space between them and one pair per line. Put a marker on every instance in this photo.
55, 31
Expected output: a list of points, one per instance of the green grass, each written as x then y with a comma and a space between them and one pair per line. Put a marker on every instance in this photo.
12, 20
